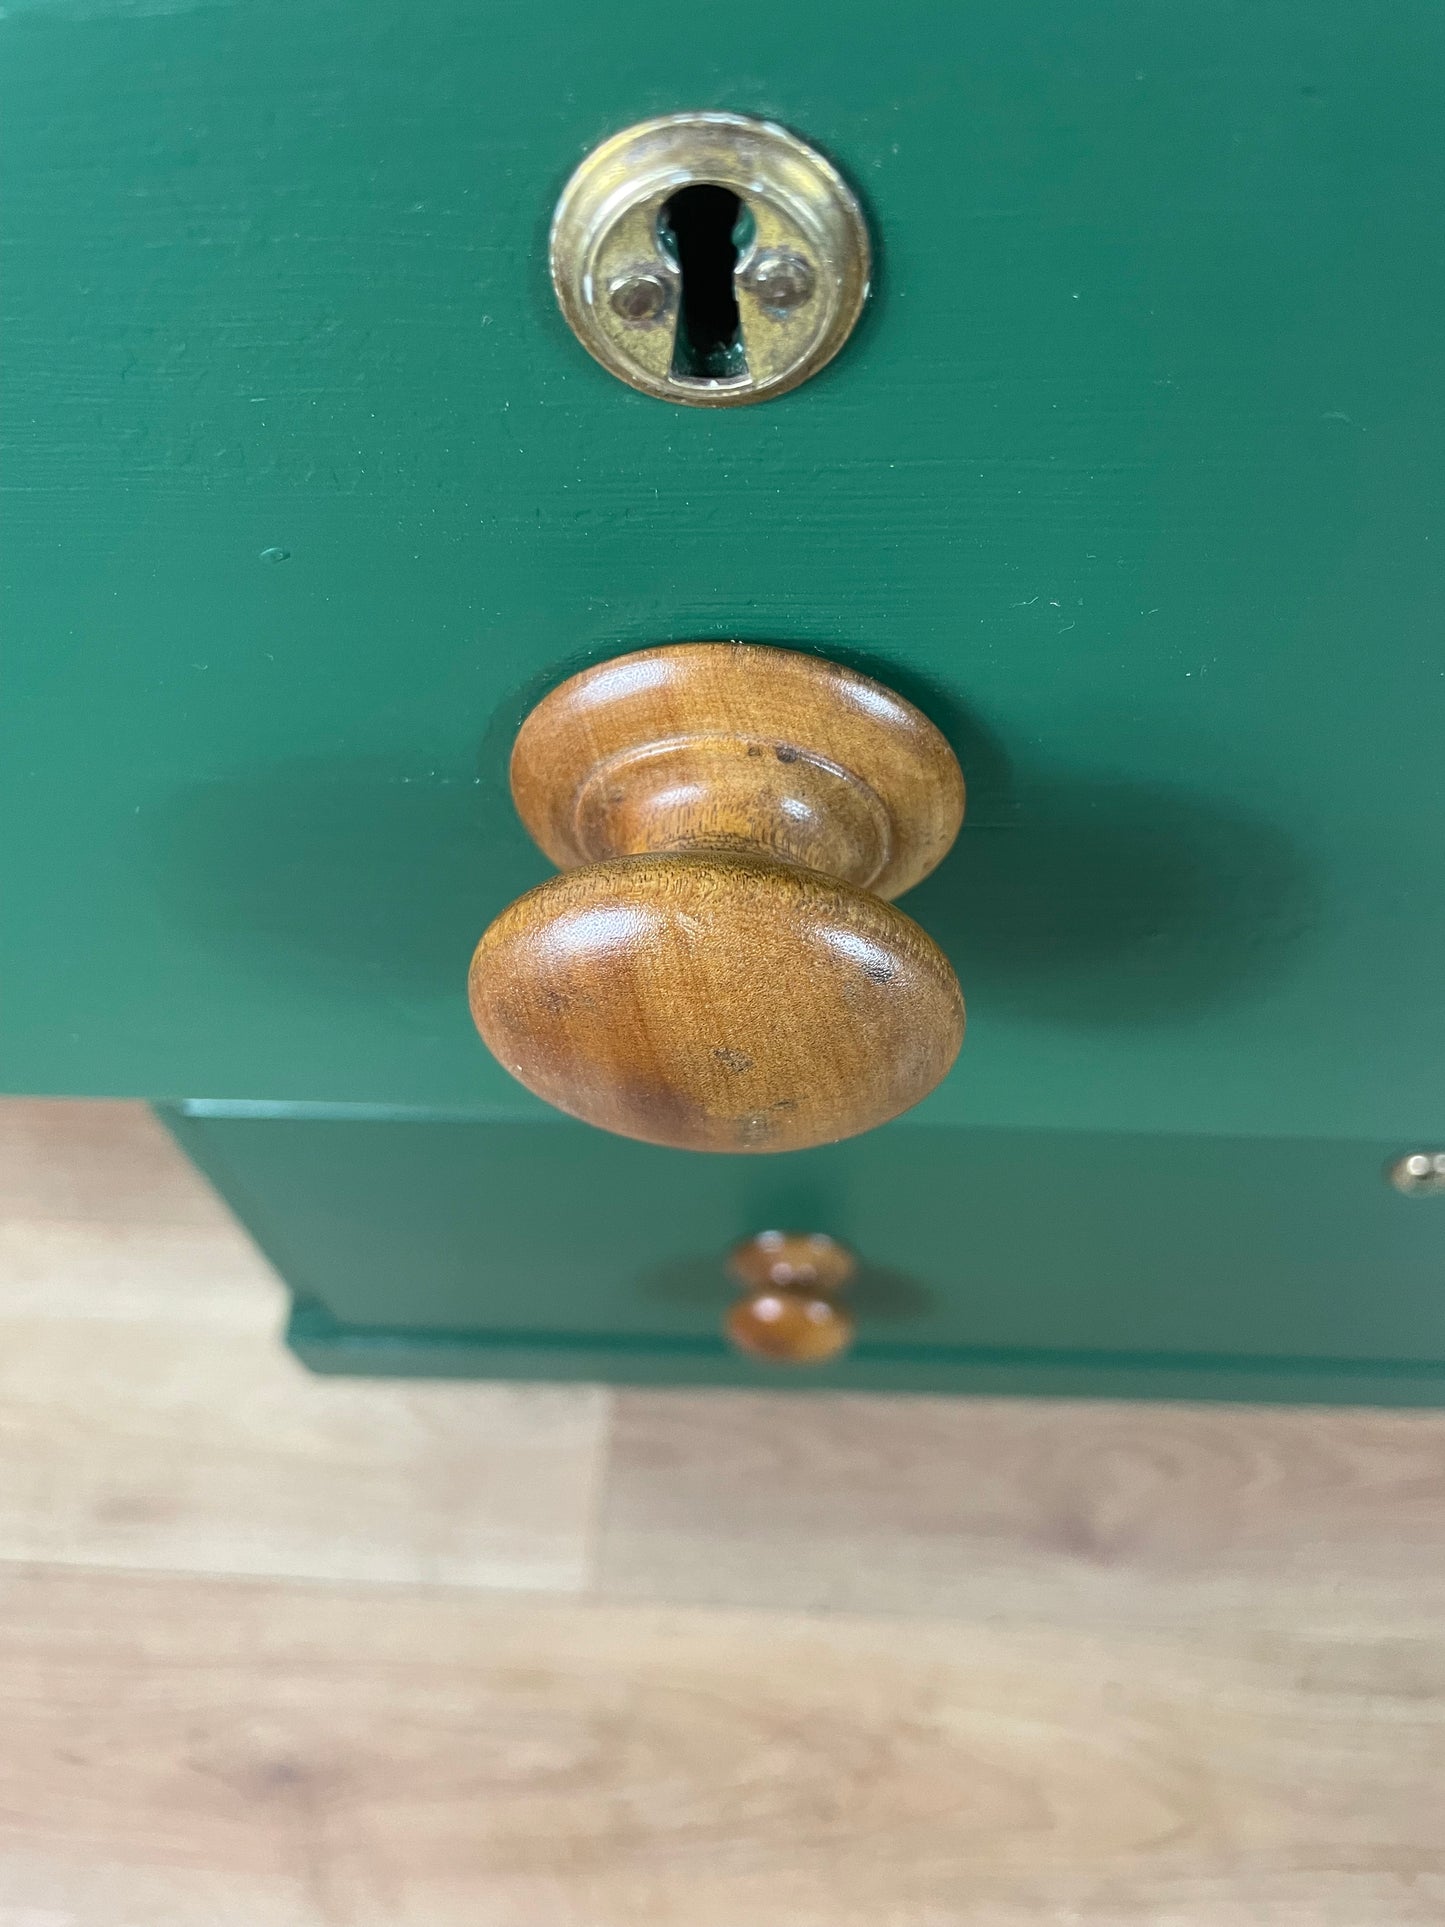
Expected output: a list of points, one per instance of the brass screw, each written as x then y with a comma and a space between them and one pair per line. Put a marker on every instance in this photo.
639, 297
1421, 1174
782, 281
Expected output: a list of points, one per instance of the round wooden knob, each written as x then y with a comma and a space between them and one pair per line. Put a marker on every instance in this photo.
719, 967
789, 1311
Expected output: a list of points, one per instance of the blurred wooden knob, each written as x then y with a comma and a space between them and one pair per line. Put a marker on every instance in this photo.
789, 1312
719, 967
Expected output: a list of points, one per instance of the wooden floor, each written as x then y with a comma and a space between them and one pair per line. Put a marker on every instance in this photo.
286, 1652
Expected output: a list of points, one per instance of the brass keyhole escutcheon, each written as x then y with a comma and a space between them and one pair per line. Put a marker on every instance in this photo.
710, 259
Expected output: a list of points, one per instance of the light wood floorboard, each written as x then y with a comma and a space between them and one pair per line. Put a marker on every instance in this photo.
1064, 1511
188, 1751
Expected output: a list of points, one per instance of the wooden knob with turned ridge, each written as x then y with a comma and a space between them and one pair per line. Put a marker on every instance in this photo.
719, 967
790, 1312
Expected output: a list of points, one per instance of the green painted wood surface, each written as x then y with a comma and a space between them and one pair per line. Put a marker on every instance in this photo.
1132, 476
1012, 1260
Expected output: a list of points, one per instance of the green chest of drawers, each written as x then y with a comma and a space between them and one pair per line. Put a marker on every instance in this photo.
1130, 477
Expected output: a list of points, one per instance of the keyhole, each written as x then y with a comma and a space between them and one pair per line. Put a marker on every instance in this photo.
705, 228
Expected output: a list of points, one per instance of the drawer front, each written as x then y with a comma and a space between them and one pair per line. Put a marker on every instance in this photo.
989, 1260
1129, 476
